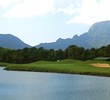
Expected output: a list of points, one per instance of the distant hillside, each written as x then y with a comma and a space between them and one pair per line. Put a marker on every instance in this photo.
97, 36
12, 42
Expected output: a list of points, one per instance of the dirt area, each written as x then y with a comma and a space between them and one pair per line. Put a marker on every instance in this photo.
103, 65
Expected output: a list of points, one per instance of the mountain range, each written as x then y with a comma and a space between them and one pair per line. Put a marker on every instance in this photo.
98, 35
12, 42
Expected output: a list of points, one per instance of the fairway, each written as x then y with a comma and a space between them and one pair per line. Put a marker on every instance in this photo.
64, 66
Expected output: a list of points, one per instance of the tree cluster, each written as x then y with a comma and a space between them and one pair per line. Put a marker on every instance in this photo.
28, 55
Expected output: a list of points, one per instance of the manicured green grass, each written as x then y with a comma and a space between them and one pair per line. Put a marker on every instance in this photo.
63, 66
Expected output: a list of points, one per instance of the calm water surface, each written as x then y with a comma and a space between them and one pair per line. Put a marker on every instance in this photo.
48, 86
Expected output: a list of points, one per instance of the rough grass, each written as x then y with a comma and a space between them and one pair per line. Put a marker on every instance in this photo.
3, 64
64, 66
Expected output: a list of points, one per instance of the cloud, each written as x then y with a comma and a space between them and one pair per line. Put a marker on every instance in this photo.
70, 8
5, 3
90, 11
29, 8
78, 11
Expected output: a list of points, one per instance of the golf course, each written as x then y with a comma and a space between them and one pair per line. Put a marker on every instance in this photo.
69, 66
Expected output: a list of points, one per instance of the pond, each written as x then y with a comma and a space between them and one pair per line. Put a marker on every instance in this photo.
16, 85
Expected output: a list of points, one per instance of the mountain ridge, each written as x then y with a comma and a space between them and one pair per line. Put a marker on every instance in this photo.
12, 42
98, 35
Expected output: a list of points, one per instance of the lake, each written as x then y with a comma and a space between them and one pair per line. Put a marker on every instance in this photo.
16, 85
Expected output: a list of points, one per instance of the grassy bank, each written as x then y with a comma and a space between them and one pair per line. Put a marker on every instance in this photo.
63, 66
4, 64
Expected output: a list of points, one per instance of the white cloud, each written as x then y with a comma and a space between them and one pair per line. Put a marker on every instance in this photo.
5, 3
29, 8
68, 10
70, 7
91, 11
79, 11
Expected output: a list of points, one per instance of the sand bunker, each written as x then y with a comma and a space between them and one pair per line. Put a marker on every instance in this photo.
103, 65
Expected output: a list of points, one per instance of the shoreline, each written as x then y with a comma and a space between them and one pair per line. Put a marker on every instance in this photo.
61, 72
63, 67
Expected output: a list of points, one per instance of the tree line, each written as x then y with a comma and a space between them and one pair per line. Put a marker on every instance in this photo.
28, 55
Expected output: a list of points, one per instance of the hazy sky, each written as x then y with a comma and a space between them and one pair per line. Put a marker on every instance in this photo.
39, 21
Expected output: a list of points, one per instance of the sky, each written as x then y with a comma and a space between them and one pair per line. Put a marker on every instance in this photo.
43, 21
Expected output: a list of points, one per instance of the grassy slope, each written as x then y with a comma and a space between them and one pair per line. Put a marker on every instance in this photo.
64, 66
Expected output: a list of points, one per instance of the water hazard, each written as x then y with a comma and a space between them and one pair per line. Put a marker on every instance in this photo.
16, 85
